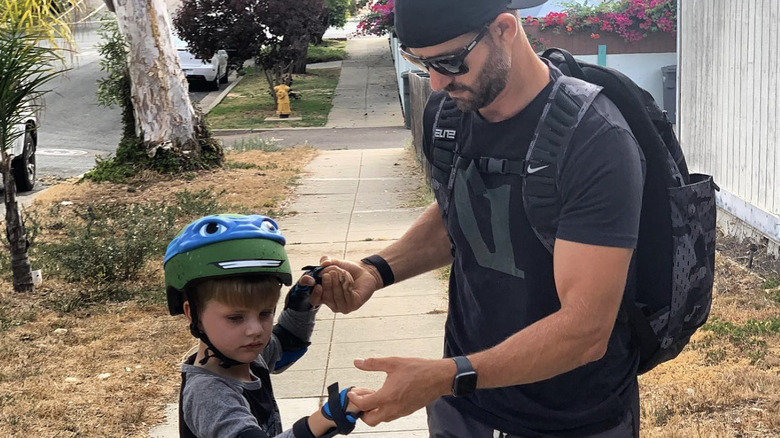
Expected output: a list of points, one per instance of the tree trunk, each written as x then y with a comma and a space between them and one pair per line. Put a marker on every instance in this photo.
325, 23
14, 230
301, 44
164, 115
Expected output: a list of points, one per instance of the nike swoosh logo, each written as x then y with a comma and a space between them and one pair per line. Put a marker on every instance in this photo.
536, 169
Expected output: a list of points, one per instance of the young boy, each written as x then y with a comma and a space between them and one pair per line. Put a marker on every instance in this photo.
225, 272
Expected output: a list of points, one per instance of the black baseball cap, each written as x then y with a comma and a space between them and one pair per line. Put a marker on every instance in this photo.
423, 23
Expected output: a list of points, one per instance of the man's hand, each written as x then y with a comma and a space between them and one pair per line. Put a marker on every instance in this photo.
411, 384
338, 292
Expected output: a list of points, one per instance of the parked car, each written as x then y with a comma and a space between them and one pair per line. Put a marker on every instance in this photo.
23, 165
209, 71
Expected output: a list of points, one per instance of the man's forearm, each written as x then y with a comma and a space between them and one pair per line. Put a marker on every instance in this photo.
424, 247
553, 345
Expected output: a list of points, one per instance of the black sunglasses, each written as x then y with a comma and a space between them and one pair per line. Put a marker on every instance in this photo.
448, 65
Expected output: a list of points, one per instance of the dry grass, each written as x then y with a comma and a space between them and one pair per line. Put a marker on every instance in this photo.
107, 370
712, 389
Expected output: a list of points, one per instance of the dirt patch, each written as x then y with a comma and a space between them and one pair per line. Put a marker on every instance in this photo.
254, 179
751, 255
107, 370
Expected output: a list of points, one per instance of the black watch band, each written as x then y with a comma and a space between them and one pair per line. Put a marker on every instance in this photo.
465, 381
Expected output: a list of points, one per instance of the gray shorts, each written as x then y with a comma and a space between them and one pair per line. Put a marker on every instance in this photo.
444, 421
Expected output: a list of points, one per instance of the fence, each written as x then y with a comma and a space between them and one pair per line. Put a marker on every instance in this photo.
420, 90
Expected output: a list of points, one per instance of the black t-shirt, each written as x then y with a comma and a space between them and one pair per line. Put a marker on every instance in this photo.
502, 276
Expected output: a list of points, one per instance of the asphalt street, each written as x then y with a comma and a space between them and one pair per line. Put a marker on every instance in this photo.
74, 129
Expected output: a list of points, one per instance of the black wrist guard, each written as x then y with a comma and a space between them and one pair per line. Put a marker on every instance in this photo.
301, 429
336, 410
298, 297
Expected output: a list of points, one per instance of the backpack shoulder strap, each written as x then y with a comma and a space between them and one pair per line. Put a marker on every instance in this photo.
184, 430
445, 146
444, 142
569, 99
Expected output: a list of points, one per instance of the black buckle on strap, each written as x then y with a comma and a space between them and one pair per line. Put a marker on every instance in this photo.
494, 165
501, 166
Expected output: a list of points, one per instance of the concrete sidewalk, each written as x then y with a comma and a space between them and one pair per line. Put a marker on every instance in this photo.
350, 204
367, 93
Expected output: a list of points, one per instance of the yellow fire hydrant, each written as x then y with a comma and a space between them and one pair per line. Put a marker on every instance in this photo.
282, 101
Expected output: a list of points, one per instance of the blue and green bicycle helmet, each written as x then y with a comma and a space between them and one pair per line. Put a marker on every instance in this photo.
223, 245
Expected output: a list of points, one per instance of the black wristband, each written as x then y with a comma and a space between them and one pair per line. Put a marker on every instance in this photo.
301, 429
382, 267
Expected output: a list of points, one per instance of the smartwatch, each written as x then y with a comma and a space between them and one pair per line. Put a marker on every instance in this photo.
465, 382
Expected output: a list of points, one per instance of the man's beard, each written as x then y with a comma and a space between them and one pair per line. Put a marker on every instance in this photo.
490, 83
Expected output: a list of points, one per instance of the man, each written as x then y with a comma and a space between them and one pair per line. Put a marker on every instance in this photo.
535, 344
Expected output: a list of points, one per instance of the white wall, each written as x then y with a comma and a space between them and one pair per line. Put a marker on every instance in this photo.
729, 103
642, 68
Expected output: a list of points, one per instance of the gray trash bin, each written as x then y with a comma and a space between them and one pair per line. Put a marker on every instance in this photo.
670, 91
406, 103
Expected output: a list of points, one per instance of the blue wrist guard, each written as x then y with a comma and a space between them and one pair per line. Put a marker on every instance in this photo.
336, 410
298, 297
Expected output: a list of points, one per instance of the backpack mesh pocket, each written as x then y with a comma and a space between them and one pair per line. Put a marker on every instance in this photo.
693, 244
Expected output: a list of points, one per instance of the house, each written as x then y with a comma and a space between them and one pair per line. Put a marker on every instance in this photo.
729, 109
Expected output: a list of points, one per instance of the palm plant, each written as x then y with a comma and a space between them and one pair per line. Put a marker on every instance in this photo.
43, 19
30, 31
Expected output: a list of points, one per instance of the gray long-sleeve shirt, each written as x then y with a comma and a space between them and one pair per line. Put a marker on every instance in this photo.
216, 406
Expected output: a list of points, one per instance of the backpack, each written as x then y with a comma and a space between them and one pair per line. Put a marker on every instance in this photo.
674, 259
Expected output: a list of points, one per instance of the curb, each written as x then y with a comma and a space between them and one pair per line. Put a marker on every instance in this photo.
221, 96
226, 132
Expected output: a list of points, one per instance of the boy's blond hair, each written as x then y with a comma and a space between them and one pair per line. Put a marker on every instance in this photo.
255, 292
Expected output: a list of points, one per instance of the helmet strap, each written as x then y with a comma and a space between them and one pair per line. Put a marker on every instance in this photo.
224, 361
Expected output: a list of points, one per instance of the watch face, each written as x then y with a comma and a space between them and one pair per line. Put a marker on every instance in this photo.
465, 384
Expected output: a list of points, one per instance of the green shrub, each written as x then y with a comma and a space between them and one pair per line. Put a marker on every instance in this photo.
107, 245
131, 157
747, 338
771, 283
328, 50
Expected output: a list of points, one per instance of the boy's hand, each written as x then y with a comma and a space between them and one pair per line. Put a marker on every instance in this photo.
351, 407
343, 294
